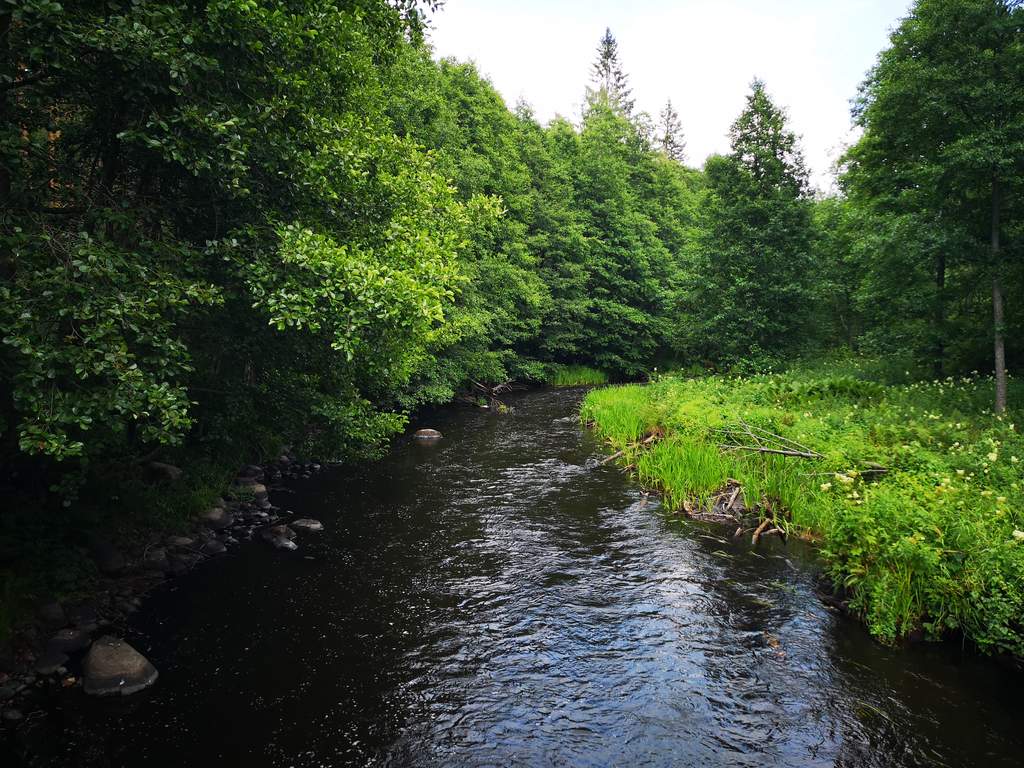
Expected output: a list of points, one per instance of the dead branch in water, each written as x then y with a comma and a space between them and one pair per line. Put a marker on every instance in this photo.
647, 441
757, 533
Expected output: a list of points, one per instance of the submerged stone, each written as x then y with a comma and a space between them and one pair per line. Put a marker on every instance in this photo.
113, 668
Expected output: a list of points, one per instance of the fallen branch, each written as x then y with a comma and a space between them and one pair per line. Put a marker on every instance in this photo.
732, 499
617, 454
757, 533
777, 451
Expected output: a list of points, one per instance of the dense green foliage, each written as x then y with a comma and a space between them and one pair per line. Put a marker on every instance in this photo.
935, 543
939, 170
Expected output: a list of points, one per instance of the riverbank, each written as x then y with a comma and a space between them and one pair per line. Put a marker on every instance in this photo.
71, 639
913, 491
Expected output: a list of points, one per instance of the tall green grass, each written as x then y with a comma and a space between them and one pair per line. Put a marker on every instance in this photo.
558, 375
936, 543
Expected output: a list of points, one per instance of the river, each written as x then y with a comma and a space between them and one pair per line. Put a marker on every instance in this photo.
500, 599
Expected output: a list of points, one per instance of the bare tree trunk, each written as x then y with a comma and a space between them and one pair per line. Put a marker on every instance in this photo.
997, 304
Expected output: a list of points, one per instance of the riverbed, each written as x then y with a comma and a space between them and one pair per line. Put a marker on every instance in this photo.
499, 598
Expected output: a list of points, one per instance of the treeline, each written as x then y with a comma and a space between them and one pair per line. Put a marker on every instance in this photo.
231, 224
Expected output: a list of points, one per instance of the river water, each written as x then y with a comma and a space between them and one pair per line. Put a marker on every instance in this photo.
500, 599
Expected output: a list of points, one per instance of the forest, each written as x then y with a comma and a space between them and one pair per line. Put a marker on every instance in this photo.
229, 226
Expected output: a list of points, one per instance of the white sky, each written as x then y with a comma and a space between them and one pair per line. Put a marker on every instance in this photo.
702, 54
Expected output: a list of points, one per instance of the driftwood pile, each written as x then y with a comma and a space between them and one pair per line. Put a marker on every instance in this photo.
728, 507
489, 392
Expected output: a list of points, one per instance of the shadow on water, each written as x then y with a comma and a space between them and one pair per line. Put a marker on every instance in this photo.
500, 599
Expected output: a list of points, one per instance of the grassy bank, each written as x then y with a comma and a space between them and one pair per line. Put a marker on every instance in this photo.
558, 375
914, 491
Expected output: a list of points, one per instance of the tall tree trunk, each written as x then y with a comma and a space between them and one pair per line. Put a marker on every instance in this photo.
939, 319
997, 303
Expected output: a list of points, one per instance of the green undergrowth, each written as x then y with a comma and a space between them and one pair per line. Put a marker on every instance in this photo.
574, 376
935, 542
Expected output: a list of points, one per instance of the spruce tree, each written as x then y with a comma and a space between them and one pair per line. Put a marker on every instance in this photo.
609, 80
750, 293
670, 137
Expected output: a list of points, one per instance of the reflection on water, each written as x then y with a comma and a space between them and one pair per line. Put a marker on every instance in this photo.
500, 599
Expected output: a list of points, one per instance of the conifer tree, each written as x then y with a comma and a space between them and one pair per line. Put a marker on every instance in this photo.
670, 138
750, 293
609, 80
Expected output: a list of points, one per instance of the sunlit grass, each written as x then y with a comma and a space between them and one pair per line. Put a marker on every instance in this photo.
575, 376
935, 543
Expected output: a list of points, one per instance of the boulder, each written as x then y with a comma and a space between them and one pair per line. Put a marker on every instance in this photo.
162, 471
217, 518
279, 537
52, 615
113, 667
180, 541
213, 547
427, 434
12, 715
279, 531
252, 472
68, 641
307, 524
258, 490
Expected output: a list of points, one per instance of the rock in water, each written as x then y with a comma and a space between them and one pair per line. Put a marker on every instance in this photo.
427, 434
258, 490
308, 524
217, 518
280, 537
113, 667
214, 547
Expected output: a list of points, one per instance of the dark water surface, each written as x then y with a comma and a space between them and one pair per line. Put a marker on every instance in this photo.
497, 600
